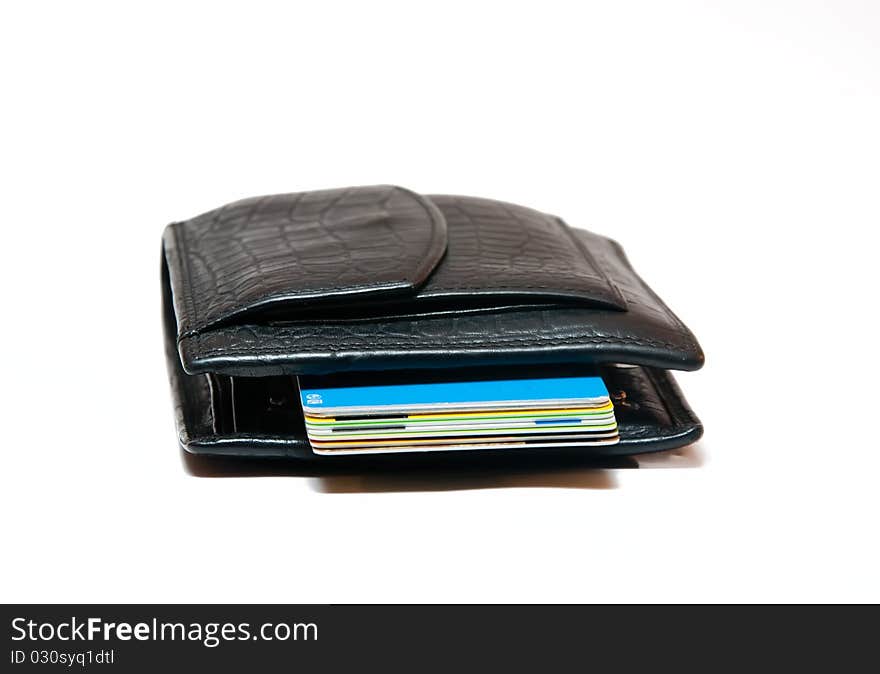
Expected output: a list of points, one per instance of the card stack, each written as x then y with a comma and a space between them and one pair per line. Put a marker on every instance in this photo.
353, 416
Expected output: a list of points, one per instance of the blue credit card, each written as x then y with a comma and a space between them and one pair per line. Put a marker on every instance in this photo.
443, 396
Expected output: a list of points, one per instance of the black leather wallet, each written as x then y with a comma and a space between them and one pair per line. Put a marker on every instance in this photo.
381, 278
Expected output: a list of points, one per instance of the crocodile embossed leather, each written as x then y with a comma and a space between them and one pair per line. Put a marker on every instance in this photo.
378, 278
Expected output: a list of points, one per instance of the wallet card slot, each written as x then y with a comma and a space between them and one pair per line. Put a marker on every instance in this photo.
261, 416
266, 406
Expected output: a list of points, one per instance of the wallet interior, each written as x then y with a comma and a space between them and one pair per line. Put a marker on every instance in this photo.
369, 279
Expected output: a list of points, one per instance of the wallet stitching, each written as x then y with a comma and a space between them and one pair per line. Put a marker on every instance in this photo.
489, 341
592, 339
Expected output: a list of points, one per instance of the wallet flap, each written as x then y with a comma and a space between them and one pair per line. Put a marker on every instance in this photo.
267, 251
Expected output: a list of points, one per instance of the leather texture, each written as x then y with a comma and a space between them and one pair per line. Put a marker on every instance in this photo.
294, 247
373, 278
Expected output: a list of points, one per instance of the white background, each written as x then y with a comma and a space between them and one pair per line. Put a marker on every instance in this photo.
734, 148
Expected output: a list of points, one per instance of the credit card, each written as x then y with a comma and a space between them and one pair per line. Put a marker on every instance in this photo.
448, 421
447, 432
456, 417
319, 399
389, 412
